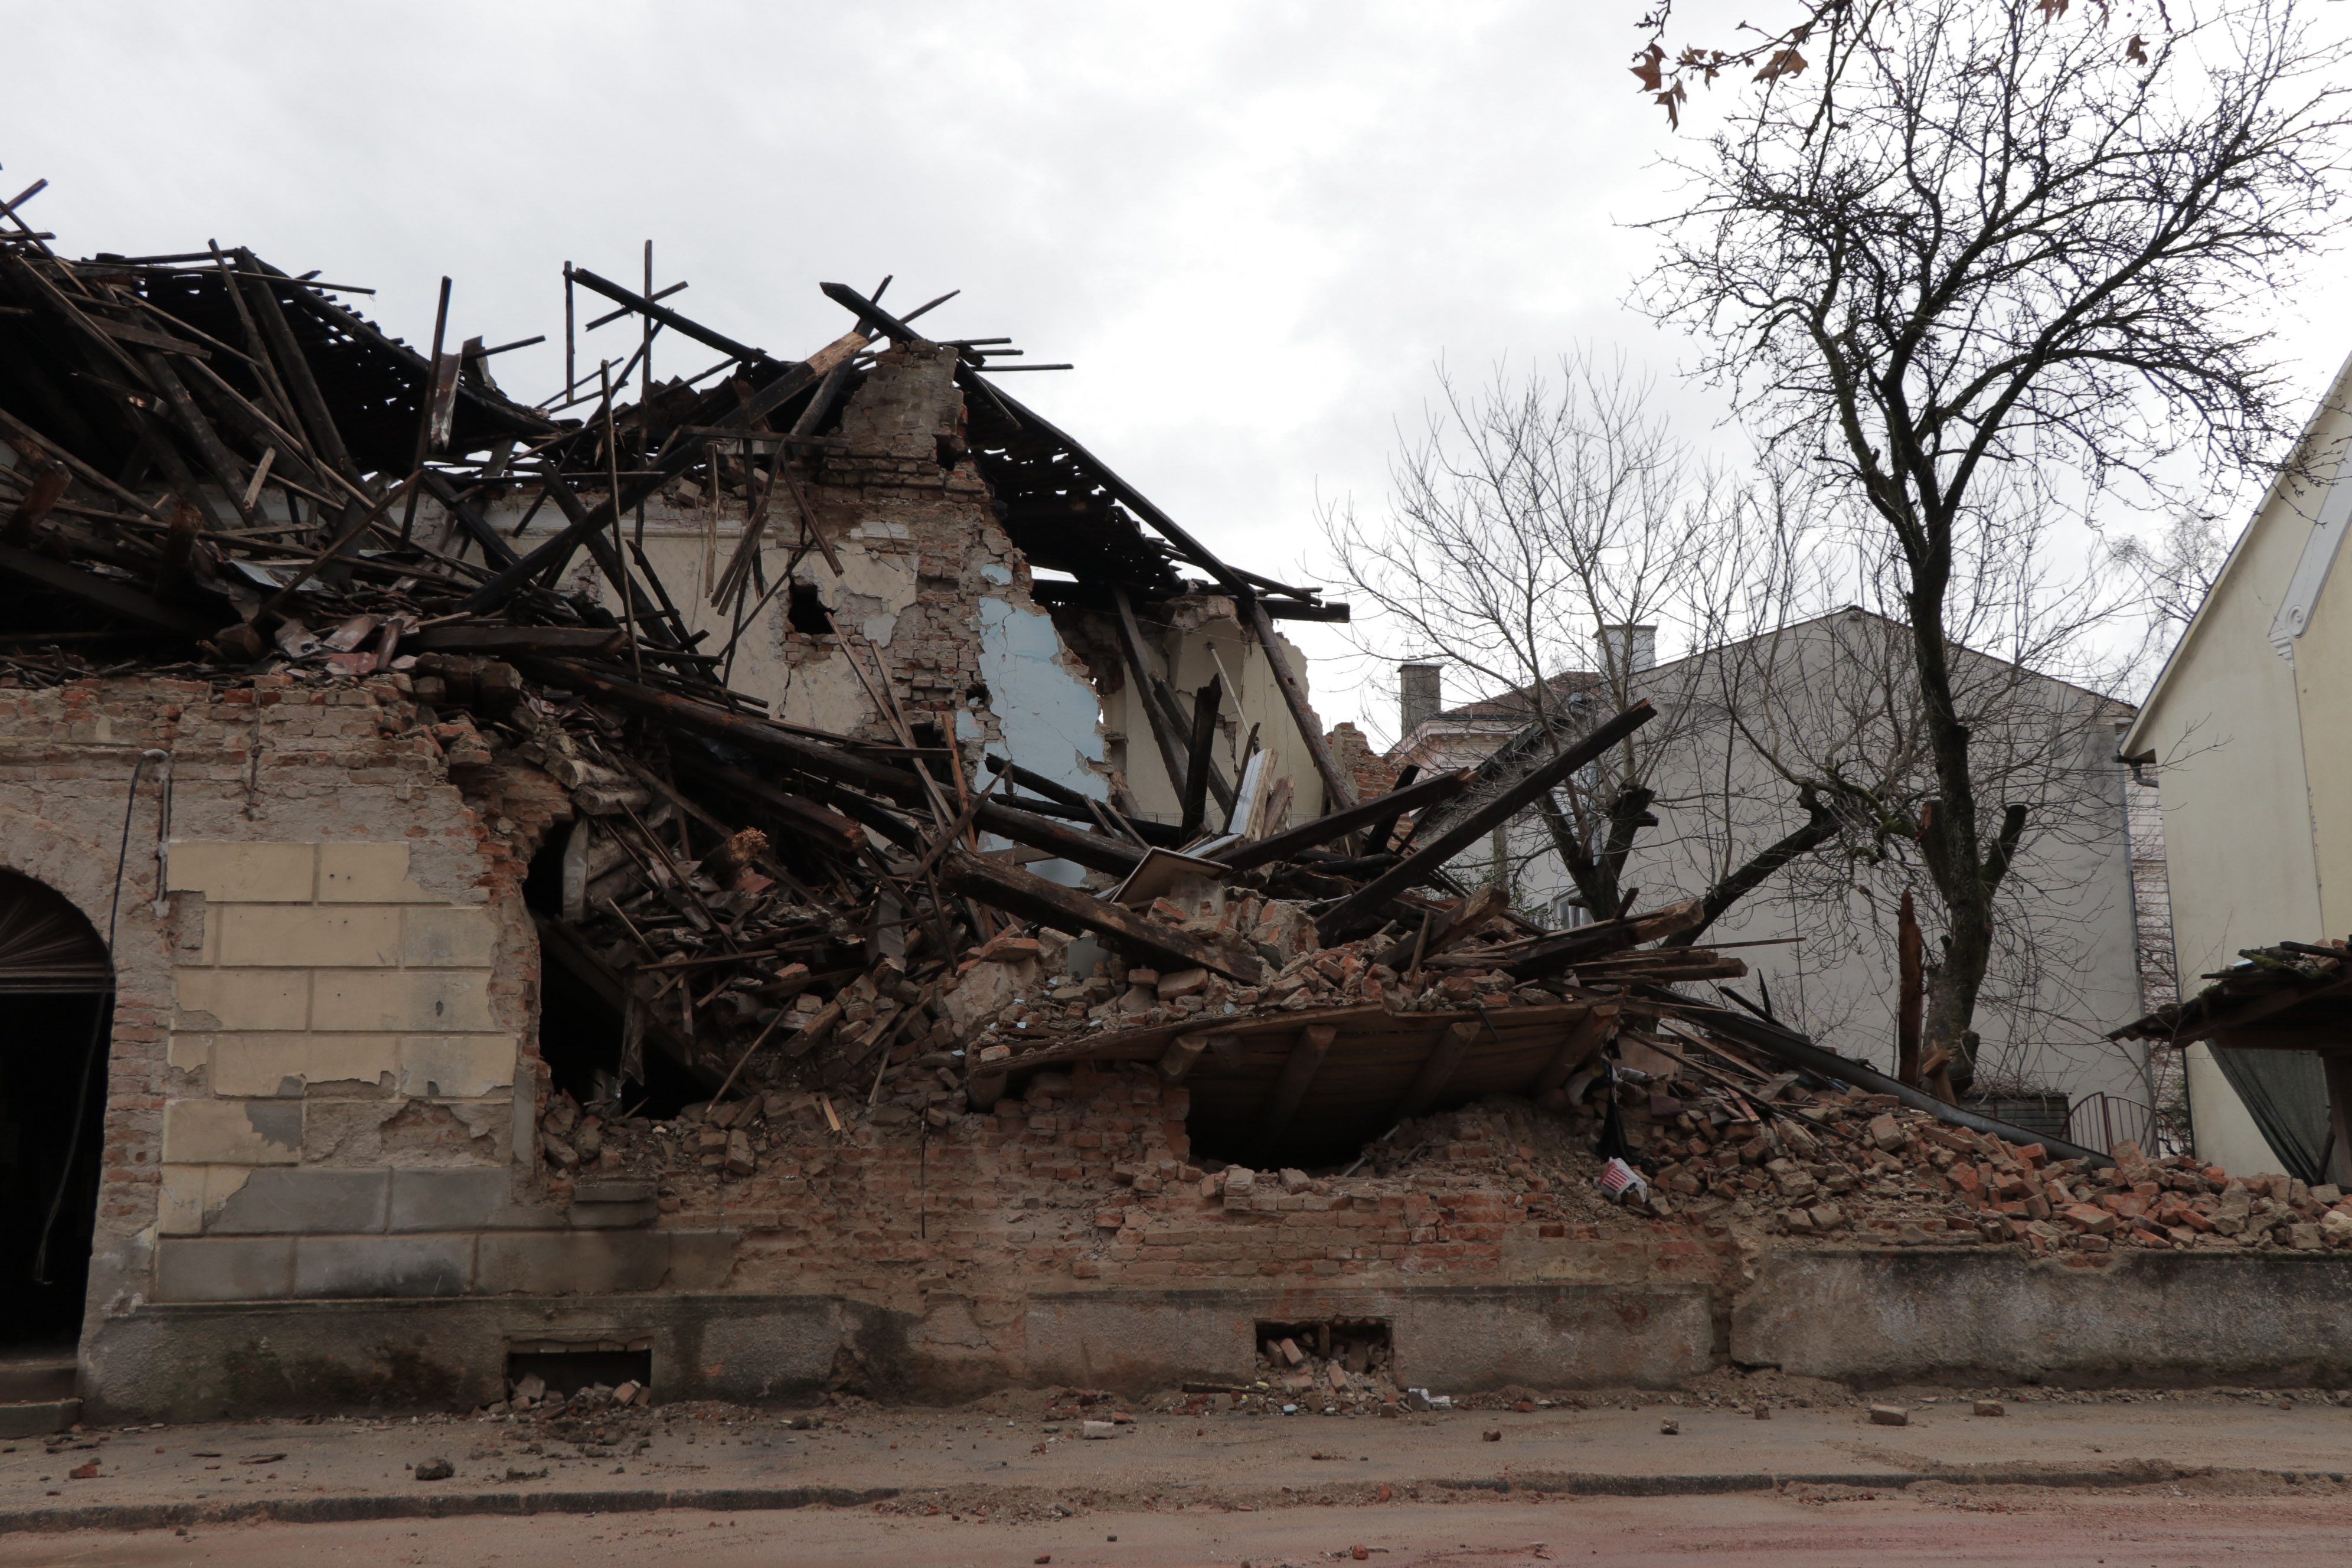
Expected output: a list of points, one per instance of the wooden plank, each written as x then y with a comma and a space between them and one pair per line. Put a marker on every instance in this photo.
1200, 760
225, 467
514, 639
105, 593
50, 482
682, 325
294, 368
1298, 1076
1455, 925
1181, 1055
1332, 825
148, 338
1031, 897
1603, 938
1582, 1040
495, 548
1438, 1069
1360, 906
1338, 791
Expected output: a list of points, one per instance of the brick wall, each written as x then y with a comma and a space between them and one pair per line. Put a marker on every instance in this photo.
1089, 1183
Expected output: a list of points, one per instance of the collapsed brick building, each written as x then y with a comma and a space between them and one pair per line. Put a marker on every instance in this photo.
877, 923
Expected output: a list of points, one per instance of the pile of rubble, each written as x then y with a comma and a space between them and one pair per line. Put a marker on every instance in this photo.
806, 935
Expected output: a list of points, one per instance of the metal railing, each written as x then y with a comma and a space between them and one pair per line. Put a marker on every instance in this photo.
2100, 1121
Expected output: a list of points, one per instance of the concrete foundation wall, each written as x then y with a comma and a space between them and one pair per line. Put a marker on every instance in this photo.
1859, 1317
2148, 1319
1463, 1340
191, 1361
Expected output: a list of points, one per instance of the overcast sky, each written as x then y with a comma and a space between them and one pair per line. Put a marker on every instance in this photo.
1256, 229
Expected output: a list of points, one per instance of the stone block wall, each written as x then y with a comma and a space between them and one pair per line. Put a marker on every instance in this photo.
323, 1073
334, 1019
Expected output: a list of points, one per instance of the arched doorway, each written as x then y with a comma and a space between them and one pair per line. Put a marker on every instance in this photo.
56, 995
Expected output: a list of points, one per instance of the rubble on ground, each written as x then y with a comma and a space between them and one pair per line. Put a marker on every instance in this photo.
828, 937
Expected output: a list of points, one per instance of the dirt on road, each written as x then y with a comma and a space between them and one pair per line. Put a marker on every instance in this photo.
1926, 1523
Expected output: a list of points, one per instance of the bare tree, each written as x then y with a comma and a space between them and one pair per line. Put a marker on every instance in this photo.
2174, 571
2000, 249
1532, 514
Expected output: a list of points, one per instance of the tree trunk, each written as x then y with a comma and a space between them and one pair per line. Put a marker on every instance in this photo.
1910, 956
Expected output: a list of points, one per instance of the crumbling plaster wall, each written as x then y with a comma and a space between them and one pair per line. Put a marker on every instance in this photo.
1200, 638
931, 591
324, 1070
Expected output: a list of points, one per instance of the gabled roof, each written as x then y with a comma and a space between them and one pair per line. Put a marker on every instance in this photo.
2339, 393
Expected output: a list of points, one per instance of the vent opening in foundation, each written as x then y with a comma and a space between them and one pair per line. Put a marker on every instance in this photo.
1359, 1347
566, 1371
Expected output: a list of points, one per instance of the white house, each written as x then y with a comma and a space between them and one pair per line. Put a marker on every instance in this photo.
1740, 723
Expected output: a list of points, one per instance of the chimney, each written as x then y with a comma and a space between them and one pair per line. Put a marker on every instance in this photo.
1635, 648
1418, 695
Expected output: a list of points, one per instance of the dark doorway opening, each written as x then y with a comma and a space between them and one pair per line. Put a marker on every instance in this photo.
581, 1026
56, 996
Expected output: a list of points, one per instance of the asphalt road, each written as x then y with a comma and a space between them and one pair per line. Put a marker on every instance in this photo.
2030, 1528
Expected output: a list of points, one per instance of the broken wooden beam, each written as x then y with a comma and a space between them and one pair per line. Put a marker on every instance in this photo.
1200, 763
491, 637
1145, 683
107, 594
1437, 1070
1298, 1076
684, 326
1333, 825
1339, 792
683, 454
898, 786
1446, 929
49, 485
1031, 897
1603, 938
1583, 1039
830, 831
1184, 1051
1428, 859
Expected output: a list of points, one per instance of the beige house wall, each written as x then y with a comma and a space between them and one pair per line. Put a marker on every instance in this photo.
2251, 750
333, 1015
1205, 639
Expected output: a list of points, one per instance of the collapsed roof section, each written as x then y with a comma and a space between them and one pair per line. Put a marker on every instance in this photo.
209, 457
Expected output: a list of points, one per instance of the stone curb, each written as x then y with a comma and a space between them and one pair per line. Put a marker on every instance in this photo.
730, 1499
441, 1505
2128, 1474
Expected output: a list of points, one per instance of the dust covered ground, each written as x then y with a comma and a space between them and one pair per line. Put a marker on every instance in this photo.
2166, 1527
2172, 1479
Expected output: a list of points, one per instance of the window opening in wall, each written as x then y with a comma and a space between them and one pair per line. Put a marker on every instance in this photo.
804, 611
580, 1015
1359, 1348
564, 1371
56, 985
